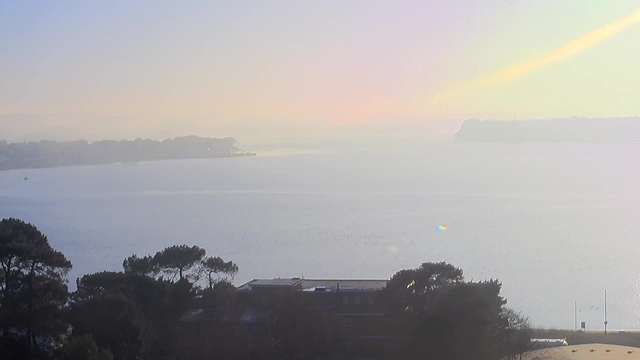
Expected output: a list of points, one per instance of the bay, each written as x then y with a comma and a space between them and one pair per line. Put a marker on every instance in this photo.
555, 223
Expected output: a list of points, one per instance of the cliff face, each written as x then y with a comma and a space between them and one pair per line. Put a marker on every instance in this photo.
565, 130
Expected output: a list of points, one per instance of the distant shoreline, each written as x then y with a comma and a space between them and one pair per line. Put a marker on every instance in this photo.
53, 154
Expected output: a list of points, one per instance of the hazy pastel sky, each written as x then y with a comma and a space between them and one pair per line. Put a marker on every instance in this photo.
146, 68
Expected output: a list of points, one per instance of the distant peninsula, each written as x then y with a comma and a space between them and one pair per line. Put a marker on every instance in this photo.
574, 129
44, 154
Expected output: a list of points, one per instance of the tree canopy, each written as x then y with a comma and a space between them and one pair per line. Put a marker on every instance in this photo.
179, 259
215, 266
448, 318
143, 266
409, 291
84, 348
156, 310
33, 285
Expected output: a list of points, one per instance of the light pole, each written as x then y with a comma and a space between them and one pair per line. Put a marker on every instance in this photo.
605, 312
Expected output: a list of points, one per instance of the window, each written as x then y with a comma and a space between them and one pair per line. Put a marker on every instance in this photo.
345, 299
348, 322
370, 300
356, 300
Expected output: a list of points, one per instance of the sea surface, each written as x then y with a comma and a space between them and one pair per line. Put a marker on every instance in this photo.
555, 223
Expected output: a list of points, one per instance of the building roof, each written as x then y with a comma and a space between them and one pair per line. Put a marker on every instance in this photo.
327, 285
274, 282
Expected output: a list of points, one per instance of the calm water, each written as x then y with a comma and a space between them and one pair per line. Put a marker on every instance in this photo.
556, 223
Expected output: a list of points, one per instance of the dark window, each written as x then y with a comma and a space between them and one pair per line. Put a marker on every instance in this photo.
348, 322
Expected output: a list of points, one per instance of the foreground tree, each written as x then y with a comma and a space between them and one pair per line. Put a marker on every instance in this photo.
83, 348
409, 292
215, 266
32, 277
462, 322
39, 307
154, 307
448, 318
116, 323
153, 296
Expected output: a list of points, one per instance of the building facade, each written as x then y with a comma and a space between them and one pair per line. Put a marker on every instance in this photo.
347, 317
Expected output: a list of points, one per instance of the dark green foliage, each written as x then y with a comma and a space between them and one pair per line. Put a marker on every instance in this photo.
32, 280
409, 291
215, 266
462, 322
12, 347
44, 305
178, 260
134, 315
150, 294
112, 315
155, 305
447, 318
182, 293
116, 323
83, 348
143, 266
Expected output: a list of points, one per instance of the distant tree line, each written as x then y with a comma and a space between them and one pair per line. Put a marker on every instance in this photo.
546, 130
46, 153
136, 314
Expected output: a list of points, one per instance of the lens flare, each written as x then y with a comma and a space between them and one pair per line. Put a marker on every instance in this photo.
442, 227
565, 51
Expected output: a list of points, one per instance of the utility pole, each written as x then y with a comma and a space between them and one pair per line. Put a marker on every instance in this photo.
575, 316
605, 312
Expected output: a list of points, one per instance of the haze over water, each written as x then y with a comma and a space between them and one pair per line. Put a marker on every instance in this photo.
556, 223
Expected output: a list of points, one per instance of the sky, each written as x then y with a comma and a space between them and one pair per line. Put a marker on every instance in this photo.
105, 69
